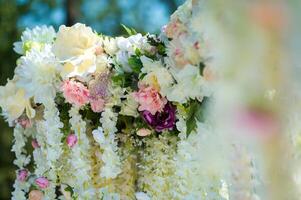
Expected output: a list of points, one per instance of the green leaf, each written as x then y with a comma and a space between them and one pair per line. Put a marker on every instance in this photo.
130, 31
69, 189
195, 113
135, 63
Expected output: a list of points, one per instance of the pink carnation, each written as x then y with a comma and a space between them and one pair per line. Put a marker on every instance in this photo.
42, 182
149, 100
75, 93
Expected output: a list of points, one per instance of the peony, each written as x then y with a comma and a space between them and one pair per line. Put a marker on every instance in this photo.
35, 195
37, 74
13, 101
71, 140
161, 121
42, 182
149, 100
76, 47
75, 93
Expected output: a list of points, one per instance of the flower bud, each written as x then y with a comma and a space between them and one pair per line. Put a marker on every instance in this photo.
22, 175
35, 195
71, 140
42, 182
144, 132
35, 144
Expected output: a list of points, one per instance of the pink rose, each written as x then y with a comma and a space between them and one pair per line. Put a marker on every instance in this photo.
75, 93
71, 140
35, 144
42, 182
35, 195
97, 105
144, 132
149, 100
22, 175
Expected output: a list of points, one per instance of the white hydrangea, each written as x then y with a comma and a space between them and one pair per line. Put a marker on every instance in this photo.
190, 85
105, 137
37, 74
35, 38
156, 73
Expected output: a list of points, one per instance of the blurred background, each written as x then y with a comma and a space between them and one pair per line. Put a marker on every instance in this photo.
105, 16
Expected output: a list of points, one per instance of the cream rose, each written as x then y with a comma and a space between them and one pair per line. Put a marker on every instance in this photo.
13, 101
76, 46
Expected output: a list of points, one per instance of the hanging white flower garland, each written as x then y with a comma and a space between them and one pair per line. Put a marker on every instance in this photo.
21, 187
79, 160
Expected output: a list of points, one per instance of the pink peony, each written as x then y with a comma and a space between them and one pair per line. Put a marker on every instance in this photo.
149, 100
35, 195
144, 132
42, 182
75, 93
35, 144
71, 140
22, 175
97, 105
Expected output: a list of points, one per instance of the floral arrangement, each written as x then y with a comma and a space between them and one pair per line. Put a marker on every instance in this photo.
99, 117
105, 116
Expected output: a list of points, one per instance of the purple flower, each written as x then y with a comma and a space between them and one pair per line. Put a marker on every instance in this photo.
161, 120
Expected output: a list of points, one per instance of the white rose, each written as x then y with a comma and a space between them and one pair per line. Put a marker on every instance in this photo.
76, 46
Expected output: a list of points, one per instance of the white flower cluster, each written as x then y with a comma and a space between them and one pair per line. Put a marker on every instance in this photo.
81, 180
34, 39
157, 167
105, 137
193, 179
36, 74
127, 48
48, 153
185, 53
